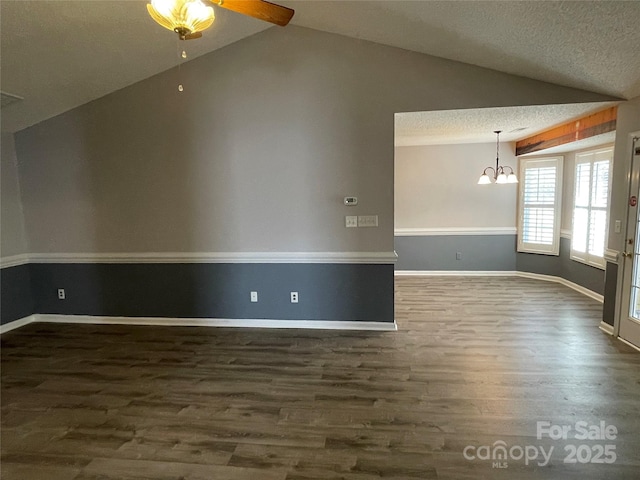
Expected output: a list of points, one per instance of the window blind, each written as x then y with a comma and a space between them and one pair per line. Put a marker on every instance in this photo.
539, 206
590, 206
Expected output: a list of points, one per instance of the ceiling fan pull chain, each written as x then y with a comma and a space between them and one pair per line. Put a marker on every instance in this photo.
180, 57
184, 56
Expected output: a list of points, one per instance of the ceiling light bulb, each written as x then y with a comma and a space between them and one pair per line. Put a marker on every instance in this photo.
181, 15
502, 178
484, 179
511, 178
163, 7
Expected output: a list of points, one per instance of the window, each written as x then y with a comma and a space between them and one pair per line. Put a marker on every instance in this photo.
539, 205
590, 206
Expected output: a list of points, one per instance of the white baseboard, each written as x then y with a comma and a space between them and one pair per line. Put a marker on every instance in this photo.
7, 327
505, 273
629, 343
203, 322
563, 281
606, 328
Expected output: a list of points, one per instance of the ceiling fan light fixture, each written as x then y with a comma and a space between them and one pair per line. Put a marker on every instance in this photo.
181, 16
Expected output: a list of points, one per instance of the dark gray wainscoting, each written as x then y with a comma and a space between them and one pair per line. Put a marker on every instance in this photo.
16, 296
438, 252
562, 266
492, 253
610, 284
341, 292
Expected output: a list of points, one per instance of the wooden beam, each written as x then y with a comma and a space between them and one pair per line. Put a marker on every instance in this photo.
585, 127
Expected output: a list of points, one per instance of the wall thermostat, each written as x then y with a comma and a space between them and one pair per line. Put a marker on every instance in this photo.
350, 201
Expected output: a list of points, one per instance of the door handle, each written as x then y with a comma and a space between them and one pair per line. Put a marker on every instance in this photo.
627, 254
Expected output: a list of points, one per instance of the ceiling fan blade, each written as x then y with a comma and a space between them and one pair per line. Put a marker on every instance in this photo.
260, 9
191, 36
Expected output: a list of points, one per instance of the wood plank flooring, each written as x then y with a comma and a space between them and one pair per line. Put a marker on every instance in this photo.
475, 361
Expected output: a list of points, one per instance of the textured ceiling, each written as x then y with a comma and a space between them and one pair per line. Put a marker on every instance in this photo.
61, 54
593, 45
477, 125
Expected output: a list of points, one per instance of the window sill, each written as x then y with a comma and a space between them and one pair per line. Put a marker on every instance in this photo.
590, 264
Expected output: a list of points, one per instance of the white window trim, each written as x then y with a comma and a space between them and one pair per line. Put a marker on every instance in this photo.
540, 249
586, 257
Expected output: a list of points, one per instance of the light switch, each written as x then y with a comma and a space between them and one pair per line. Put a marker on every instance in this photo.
368, 220
351, 221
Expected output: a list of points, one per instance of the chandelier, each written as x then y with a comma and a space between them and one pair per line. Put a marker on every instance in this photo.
499, 174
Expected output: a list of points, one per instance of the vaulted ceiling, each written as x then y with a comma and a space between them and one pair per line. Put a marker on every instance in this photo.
61, 54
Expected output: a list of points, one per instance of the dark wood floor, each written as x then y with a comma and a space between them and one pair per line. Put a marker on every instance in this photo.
475, 361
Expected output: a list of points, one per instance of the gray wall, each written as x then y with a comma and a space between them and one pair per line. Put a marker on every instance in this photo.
326, 291
492, 253
438, 252
16, 300
254, 156
562, 266
610, 284
436, 187
257, 153
13, 240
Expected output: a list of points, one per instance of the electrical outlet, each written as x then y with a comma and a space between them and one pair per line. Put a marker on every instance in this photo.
458, 255
61, 294
254, 297
294, 297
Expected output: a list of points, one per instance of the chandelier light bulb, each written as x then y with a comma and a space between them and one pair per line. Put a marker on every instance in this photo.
484, 179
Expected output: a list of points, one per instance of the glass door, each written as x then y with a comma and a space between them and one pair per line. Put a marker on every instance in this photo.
630, 319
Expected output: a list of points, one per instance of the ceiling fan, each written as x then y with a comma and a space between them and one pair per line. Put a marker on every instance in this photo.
188, 18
